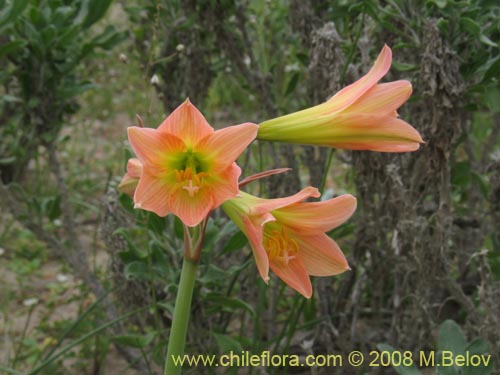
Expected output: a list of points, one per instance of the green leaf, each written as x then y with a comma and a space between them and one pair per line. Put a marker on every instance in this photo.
451, 338
404, 67
236, 242
135, 341
178, 228
228, 303
11, 99
342, 231
292, 84
460, 174
227, 344
439, 3
81, 339
134, 251
156, 223
92, 11
12, 12
48, 34
140, 270
75, 323
228, 228
10, 371
481, 348
109, 38
484, 39
8, 160
11, 47
137, 270
492, 98
213, 274
478, 346
493, 71
470, 26
69, 92
402, 370
481, 181
69, 35
443, 25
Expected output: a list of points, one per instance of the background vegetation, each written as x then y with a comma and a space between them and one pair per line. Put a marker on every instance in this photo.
83, 275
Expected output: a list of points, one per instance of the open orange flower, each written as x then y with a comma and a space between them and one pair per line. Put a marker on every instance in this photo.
188, 168
362, 116
288, 235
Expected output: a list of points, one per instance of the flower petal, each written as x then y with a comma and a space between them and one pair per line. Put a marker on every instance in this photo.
266, 205
190, 208
295, 275
153, 147
372, 132
321, 255
129, 182
254, 232
224, 185
151, 194
187, 123
317, 216
128, 185
224, 146
193, 203
134, 167
382, 99
348, 95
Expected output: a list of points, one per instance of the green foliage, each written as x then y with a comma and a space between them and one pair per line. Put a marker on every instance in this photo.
153, 256
44, 46
451, 339
218, 81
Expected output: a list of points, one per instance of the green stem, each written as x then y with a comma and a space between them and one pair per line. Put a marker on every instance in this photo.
328, 165
180, 320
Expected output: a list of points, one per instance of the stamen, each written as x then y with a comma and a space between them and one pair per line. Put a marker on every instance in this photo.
280, 247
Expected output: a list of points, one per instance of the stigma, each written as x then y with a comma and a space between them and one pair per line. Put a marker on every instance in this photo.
190, 181
191, 189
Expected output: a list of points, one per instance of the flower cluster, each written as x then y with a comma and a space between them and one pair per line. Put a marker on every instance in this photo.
186, 168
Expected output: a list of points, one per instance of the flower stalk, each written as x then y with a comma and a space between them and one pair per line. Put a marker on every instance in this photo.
180, 321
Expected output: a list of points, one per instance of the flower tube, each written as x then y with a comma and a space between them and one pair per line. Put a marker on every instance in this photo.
362, 116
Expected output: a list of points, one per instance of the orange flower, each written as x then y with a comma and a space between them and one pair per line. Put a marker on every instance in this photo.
289, 236
129, 182
188, 168
362, 116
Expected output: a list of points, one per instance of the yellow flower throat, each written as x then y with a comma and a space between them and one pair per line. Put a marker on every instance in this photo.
279, 246
190, 175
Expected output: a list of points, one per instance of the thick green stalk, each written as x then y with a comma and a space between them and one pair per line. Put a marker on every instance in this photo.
180, 320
